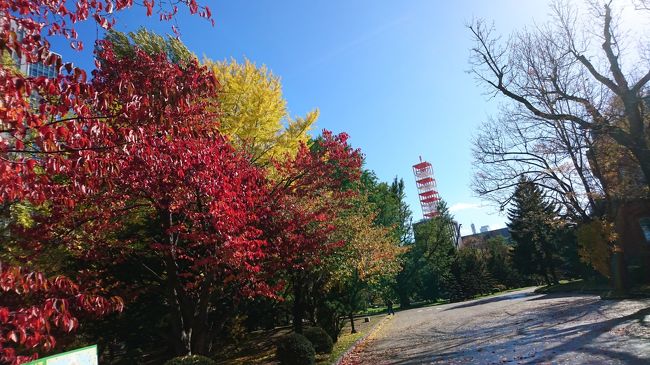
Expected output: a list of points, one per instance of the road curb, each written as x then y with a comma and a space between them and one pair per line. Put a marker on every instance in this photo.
373, 330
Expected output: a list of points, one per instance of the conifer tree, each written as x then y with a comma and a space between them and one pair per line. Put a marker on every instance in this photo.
532, 228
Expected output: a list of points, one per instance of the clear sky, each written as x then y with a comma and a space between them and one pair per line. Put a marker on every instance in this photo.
392, 74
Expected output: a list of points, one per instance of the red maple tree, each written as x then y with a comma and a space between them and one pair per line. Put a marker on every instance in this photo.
139, 137
311, 189
52, 128
33, 307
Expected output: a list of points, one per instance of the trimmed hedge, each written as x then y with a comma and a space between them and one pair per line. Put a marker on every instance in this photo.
322, 342
191, 360
295, 349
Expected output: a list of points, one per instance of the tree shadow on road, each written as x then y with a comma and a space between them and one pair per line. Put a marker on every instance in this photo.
490, 300
539, 336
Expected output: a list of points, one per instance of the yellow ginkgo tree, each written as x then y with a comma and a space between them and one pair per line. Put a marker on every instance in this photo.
253, 112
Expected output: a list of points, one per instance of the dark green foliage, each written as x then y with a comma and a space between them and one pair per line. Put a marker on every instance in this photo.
392, 210
499, 263
191, 360
432, 255
295, 349
152, 43
328, 317
534, 226
321, 341
426, 265
470, 275
570, 265
263, 313
434, 269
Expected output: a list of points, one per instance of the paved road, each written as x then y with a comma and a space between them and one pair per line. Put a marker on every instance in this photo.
516, 328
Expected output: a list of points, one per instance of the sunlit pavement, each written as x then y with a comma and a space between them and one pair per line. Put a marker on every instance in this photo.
516, 328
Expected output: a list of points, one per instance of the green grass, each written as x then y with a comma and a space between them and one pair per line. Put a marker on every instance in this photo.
341, 346
397, 308
377, 310
576, 286
598, 287
500, 292
423, 304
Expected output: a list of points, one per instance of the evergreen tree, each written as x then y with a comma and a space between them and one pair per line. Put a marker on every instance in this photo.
470, 275
499, 263
532, 228
425, 268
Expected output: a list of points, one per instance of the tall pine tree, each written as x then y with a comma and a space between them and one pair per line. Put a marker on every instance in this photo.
532, 228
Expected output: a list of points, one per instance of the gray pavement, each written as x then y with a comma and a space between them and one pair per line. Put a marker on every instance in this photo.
516, 328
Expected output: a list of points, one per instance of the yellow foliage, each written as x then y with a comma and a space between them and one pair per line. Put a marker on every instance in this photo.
370, 252
254, 114
23, 213
595, 245
7, 62
616, 166
252, 110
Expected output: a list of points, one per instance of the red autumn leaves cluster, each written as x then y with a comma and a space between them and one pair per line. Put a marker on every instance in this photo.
35, 307
139, 138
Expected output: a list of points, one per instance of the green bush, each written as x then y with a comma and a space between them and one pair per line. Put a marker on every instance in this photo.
295, 349
322, 342
191, 360
328, 317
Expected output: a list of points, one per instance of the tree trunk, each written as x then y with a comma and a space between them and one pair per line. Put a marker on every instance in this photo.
298, 306
550, 265
311, 311
404, 300
642, 155
179, 344
619, 273
200, 328
181, 337
547, 279
351, 316
554, 275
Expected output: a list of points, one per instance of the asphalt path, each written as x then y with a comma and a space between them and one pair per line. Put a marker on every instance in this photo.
516, 328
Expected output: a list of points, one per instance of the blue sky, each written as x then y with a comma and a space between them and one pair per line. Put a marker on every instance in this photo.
391, 74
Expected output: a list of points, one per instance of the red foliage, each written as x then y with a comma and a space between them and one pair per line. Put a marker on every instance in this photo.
30, 135
32, 307
72, 132
204, 197
157, 151
57, 18
311, 189
139, 137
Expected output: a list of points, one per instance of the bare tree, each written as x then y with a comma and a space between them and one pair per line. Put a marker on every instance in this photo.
555, 76
552, 154
642, 4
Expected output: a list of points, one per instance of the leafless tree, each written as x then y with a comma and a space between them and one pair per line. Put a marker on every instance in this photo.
550, 153
642, 4
561, 87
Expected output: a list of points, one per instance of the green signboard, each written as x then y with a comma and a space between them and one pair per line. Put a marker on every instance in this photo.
82, 356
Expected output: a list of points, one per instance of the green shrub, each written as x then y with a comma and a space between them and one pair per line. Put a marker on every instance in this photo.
322, 342
328, 317
191, 360
295, 349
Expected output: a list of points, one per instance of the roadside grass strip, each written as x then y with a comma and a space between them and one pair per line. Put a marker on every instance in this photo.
352, 355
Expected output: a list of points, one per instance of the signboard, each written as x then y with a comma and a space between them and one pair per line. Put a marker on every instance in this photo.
82, 356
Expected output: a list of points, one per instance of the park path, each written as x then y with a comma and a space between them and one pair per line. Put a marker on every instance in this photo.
515, 328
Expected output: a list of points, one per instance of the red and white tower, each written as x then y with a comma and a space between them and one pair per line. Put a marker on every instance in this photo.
427, 188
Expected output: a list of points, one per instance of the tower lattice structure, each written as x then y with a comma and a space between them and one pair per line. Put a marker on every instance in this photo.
427, 188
